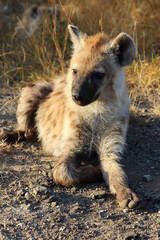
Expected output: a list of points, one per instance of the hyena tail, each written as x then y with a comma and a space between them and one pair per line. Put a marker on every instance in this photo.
29, 102
67, 175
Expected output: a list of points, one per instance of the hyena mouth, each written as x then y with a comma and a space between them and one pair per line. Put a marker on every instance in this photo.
84, 97
96, 97
78, 98
86, 101
81, 103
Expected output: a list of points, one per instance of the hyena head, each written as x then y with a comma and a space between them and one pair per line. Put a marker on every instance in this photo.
95, 62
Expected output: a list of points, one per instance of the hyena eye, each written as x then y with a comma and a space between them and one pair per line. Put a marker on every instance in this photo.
98, 75
74, 71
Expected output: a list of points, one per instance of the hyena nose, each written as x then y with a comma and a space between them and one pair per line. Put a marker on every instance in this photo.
77, 96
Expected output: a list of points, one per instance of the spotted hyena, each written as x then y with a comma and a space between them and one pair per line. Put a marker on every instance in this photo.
33, 17
82, 117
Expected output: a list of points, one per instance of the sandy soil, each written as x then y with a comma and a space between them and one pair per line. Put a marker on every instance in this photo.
33, 207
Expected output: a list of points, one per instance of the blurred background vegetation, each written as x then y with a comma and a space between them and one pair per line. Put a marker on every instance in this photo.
46, 53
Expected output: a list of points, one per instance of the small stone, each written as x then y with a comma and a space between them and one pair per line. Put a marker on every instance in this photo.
50, 199
39, 190
73, 189
53, 204
22, 225
125, 210
20, 193
131, 236
63, 228
44, 173
27, 195
147, 178
23, 206
3, 225
103, 214
20, 184
48, 167
100, 195
28, 206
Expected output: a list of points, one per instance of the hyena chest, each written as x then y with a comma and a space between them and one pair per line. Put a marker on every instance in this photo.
62, 131
77, 136
88, 144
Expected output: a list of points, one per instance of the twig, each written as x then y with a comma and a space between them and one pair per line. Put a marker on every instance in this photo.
8, 102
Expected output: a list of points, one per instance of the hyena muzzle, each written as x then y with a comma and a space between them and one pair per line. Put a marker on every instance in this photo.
82, 117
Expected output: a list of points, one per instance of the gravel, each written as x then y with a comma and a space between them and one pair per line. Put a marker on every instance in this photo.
33, 207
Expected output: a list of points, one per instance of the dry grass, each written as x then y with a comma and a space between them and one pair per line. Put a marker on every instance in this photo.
143, 78
4, 148
46, 53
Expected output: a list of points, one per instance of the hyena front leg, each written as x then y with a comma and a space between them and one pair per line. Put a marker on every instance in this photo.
113, 173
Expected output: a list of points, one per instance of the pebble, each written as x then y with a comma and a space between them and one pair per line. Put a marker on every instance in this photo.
44, 173
53, 204
100, 195
131, 235
28, 206
3, 225
27, 195
39, 190
20, 193
22, 225
147, 178
63, 228
125, 210
50, 199
20, 184
73, 189
103, 214
48, 167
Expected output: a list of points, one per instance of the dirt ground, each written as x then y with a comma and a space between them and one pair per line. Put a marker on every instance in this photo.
33, 207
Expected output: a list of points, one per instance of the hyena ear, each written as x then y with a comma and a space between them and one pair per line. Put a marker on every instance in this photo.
75, 34
124, 48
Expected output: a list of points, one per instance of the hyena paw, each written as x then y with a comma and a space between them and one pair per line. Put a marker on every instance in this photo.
128, 199
13, 137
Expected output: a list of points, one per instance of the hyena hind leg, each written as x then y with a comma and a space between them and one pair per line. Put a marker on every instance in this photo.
67, 175
31, 97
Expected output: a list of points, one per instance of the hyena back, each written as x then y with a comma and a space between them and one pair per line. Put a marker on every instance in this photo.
82, 117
